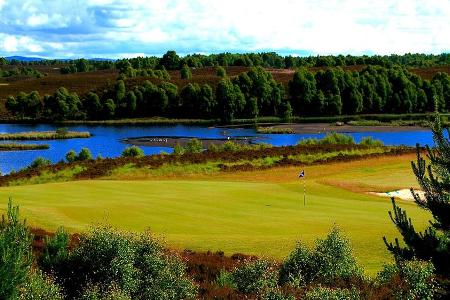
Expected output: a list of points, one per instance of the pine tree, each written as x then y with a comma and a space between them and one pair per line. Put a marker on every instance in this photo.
434, 179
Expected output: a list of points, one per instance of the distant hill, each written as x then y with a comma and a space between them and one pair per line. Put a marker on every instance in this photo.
31, 59
24, 58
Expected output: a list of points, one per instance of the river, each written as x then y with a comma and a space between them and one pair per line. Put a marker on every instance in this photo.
106, 140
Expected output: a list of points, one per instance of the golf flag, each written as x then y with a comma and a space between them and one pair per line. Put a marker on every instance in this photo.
302, 174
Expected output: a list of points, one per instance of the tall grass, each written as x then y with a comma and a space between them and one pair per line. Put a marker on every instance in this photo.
15, 147
340, 139
44, 135
274, 130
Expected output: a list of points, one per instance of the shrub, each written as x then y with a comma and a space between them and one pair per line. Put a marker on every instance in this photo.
61, 131
38, 286
337, 139
194, 146
329, 139
178, 149
331, 259
185, 72
15, 253
213, 147
276, 294
39, 162
229, 146
220, 71
55, 250
325, 293
416, 279
369, 141
136, 264
132, 151
225, 279
71, 156
85, 154
94, 293
254, 276
297, 269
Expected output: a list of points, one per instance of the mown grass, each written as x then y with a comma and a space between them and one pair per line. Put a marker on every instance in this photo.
16, 147
44, 135
259, 212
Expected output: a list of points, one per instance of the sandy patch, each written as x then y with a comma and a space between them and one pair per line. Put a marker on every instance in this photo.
404, 194
4, 84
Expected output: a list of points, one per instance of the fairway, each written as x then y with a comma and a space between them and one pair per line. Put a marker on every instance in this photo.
258, 212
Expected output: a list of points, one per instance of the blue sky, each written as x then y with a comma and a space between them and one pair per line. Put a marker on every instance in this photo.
119, 28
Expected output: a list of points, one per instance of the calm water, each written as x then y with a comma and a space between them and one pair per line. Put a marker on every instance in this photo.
106, 140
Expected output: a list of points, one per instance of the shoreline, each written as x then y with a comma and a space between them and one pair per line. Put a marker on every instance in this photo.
170, 141
316, 128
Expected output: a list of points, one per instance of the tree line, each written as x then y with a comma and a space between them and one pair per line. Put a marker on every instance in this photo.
251, 94
172, 61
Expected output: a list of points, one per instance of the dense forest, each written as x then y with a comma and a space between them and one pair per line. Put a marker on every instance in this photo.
379, 87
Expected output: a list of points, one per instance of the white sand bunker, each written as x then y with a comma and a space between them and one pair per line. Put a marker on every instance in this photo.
404, 194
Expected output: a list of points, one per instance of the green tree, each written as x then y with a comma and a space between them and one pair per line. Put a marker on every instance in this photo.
185, 72
84, 154
220, 71
433, 177
131, 103
93, 105
170, 60
71, 156
230, 99
302, 91
109, 108
120, 91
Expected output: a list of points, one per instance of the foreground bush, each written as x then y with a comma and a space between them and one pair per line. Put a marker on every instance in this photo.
15, 253
331, 259
255, 276
137, 265
409, 279
38, 286
132, 151
325, 293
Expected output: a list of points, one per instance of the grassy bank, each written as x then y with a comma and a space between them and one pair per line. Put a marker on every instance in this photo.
393, 119
274, 130
16, 147
259, 212
44, 135
143, 121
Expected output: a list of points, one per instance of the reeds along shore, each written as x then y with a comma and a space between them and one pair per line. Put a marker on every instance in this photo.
15, 147
44, 135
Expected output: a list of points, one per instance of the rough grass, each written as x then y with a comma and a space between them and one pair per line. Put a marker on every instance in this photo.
259, 212
274, 130
46, 176
44, 135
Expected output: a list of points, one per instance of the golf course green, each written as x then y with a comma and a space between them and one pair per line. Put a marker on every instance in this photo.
258, 212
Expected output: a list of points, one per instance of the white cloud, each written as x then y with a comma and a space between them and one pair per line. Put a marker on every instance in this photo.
316, 27
36, 20
10, 44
